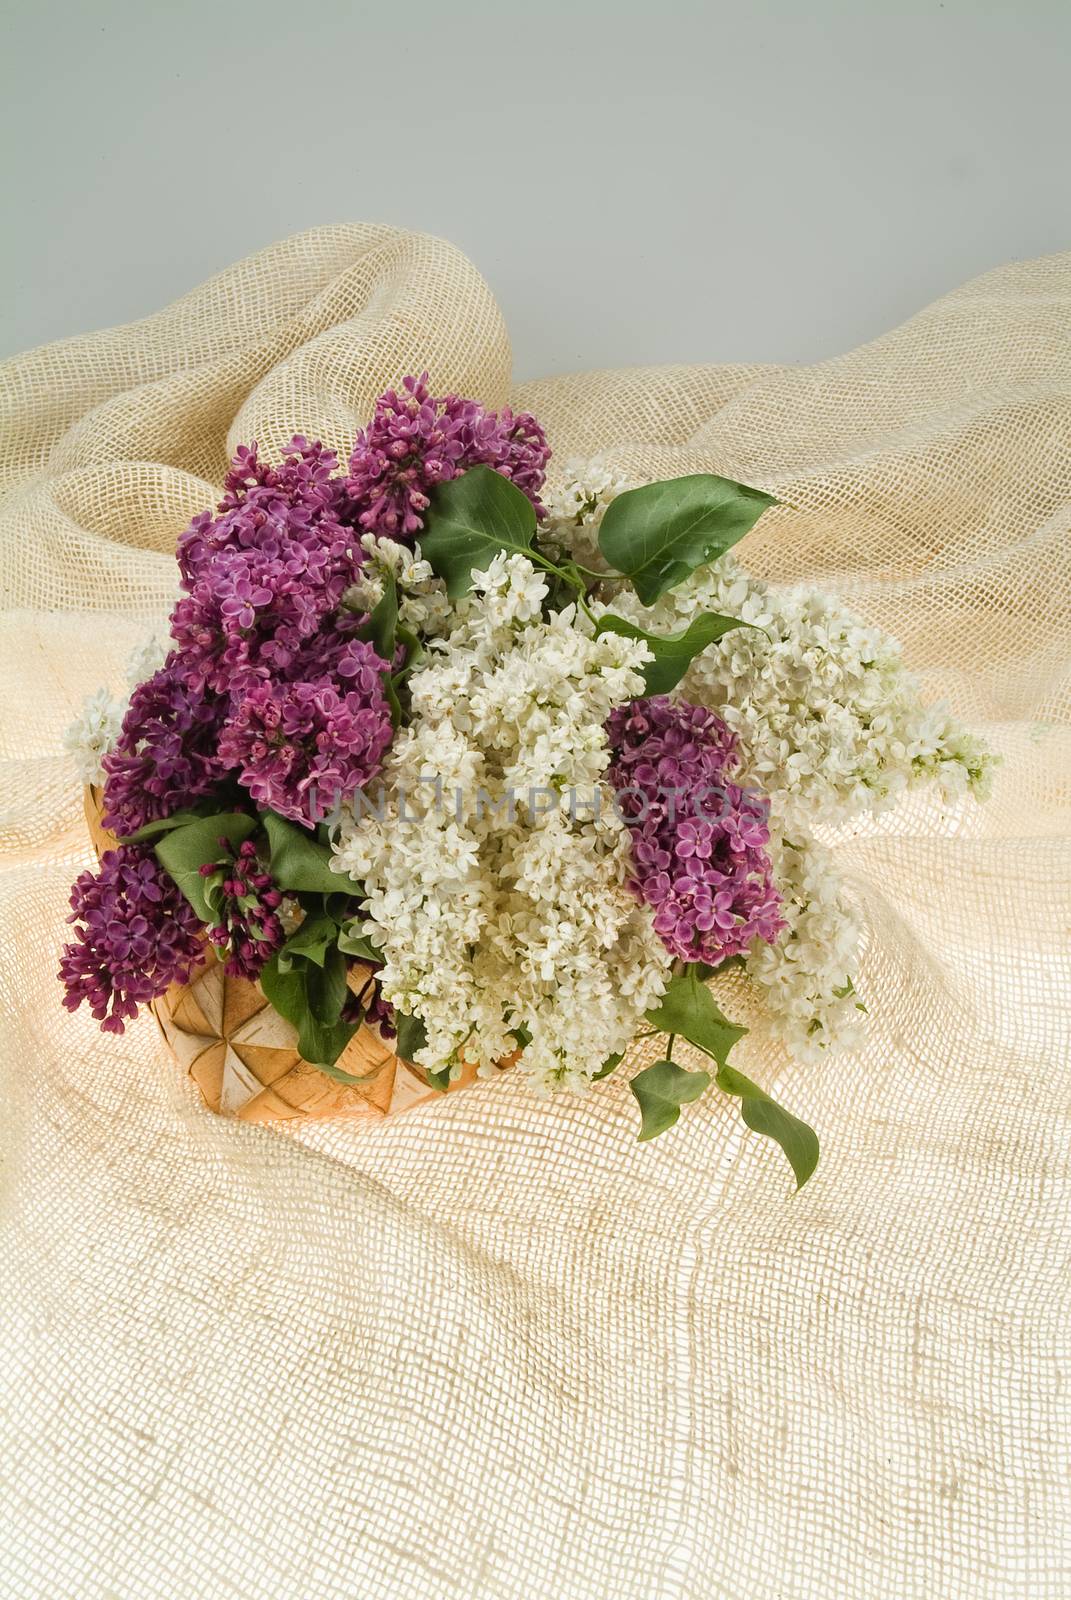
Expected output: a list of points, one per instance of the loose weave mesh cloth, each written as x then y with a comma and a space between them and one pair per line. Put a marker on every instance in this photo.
496, 1349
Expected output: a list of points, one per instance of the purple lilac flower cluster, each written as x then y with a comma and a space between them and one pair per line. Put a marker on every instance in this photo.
135, 935
260, 577
265, 685
298, 743
267, 689
167, 753
698, 840
249, 930
416, 440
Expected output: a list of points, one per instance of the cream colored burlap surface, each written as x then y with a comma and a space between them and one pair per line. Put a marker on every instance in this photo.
496, 1349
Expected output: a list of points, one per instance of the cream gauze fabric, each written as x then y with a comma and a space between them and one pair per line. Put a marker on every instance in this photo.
496, 1349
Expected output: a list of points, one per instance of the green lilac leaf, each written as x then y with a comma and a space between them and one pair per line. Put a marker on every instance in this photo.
412, 1035
470, 520
321, 1043
212, 890
326, 987
312, 940
763, 1115
288, 989
658, 534
380, 629
184, 851
673, 653
661, 1090
297, 860
162, 825
283, 985
439, 1080
359, 944
390, 694
414, 648
339, 906
688, 1008
611, 1064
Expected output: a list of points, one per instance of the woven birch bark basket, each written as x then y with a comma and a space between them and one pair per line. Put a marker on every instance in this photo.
243, 1055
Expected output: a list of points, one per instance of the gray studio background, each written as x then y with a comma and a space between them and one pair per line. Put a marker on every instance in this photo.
667, 182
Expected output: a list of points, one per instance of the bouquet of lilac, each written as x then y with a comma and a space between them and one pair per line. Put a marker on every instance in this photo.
542, 763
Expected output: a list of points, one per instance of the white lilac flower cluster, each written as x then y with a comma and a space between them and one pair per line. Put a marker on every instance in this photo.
495, 869
423, 604
829, 720
575, 508
829, 723
807, 978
